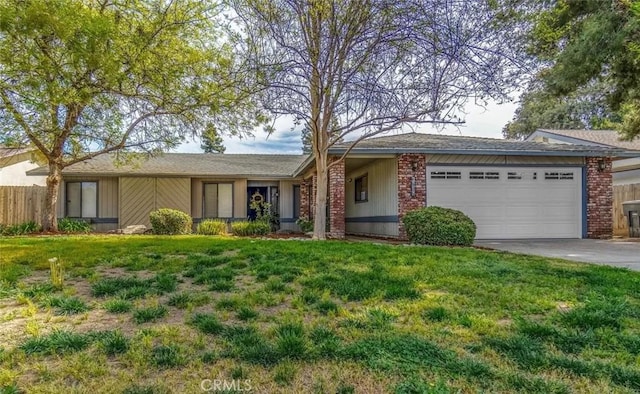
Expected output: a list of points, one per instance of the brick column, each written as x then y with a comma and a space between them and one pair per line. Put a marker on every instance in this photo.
412, 186
599, 198
336, 200
314, 193
304, 199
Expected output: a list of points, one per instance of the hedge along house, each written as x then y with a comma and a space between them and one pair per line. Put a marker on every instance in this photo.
202, 185
511, 189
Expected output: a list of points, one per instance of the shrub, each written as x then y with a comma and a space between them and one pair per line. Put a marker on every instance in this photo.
20, 229
246, 228
439, 226
212, 227
170, 221
68, 225
306, 225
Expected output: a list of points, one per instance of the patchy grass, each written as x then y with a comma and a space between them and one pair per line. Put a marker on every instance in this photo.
310, 316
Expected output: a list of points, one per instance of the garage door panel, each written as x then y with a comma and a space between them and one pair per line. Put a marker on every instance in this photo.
522, 203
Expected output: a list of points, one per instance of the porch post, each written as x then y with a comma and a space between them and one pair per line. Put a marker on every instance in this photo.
336, 200
412, 186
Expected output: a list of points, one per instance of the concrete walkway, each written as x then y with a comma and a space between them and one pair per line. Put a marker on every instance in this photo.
616, 253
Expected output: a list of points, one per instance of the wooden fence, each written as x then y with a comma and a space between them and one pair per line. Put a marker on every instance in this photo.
621, 194
19, 204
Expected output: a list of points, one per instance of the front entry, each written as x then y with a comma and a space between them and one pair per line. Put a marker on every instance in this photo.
268, 194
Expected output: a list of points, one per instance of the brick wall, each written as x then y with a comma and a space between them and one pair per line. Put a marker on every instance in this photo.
336, 200
599, 199
411, 175
304, 199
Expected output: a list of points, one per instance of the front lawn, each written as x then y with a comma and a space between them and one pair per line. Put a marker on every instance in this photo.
153, 314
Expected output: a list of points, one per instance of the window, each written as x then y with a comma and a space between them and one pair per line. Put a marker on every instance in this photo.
484, 175
82, 199
218, 200
558, 175
362, 188
446, 175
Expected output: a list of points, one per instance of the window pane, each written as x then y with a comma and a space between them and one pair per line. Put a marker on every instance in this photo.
89, 200
225, 200
210, 200
73, 199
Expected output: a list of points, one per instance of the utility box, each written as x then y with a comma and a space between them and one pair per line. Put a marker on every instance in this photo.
632, 212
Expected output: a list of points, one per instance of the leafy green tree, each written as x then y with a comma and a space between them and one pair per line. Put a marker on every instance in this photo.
372, 66
591, 43
212, 141
81, 78
587, 108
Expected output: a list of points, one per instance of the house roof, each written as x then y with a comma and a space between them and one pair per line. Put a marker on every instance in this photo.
189, 164
9, 156
456, 144
601, 137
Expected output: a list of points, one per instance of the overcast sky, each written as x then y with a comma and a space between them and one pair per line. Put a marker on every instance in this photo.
480, 122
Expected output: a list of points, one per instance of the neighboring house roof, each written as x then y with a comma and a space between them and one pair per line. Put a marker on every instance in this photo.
453, 144
600, 137
189, 164
9, 156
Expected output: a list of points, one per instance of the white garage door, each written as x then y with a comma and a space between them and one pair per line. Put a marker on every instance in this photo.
511, 202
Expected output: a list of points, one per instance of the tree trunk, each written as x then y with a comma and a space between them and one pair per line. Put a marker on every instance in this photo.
50, 222
320, 218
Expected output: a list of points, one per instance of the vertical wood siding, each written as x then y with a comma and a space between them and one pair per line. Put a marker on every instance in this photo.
19, 204
623, 193
382, 198
286, 198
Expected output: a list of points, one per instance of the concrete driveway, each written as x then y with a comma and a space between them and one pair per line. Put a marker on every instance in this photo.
616, 253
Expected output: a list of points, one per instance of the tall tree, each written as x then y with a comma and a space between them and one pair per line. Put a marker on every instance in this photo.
212, 141
587, 108
371, 66
81, 78
592, 42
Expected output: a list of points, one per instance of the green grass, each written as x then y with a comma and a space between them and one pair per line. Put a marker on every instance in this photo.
118, 306
312, 316
67, 305
152, 313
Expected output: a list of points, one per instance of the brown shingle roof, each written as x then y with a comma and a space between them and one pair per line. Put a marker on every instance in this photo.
439, 143
604, 137
190, 164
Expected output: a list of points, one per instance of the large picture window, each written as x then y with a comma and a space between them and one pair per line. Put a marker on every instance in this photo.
218, 200
82, 199
362, 188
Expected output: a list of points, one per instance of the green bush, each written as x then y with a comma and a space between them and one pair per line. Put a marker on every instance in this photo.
306, 225
439, 226
20, 229
67, 225
212, 227
170, 221
246, 228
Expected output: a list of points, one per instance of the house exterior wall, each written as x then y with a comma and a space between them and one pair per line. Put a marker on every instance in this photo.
599, 198
141, 195
378, 215
287, 216
16, 175
108, 199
